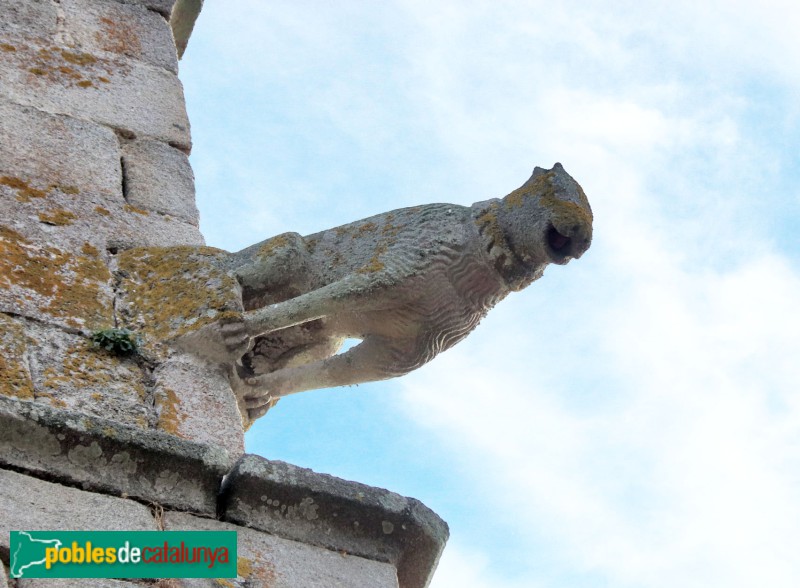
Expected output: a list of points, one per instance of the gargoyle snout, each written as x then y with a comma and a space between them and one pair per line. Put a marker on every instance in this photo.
567, 241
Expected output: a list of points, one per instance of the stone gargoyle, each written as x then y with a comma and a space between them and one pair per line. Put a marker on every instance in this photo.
408, 283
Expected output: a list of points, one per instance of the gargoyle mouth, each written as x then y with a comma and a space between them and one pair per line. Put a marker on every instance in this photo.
560, 246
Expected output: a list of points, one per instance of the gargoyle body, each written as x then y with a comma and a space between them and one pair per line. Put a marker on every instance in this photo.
408, 283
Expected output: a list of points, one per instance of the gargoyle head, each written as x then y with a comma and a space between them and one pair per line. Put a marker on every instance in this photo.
547, 220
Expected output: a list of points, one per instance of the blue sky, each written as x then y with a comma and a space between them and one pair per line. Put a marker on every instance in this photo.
631, 419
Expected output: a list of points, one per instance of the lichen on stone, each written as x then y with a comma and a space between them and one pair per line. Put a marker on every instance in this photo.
166, 292
15, 379
58, 217
60, 284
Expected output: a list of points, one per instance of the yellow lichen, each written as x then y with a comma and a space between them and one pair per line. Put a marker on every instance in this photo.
567, 213
7, 47
24, 190
84, 84
15, 380
270, 246
66, 286
244, 567
102, 211
131, 208
173, 290
89, 249
170, 416
78, 58
374, 264
58, 217
364, 229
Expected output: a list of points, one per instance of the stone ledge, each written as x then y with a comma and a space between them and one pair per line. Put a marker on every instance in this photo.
318, 509
105, 456
30, 504
266, 560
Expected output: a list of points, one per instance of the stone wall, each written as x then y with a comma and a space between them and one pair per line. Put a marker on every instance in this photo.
94, 144
94, 162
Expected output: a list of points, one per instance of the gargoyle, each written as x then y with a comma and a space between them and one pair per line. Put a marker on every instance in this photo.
408, 283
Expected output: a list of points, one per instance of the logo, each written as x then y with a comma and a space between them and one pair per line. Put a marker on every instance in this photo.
123, 554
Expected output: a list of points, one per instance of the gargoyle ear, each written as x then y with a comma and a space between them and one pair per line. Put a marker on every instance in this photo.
537, 171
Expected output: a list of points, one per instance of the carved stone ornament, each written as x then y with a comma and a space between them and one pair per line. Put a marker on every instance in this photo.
408, 283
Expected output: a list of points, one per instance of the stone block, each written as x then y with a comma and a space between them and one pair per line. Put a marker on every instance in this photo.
43, 153
103, 455
168, 292
136, 98
52, 285
31, 504
194, 400
159, 178
342, 516
28, 17
268, 560
129, 30
3, 576
68, 372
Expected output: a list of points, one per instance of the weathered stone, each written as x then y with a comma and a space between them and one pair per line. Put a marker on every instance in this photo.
267, 560
166, 292
53, 285
43, 153
105, 456
3, 576
27, 16
322, 510
194, 400
184, 15
100, 26
30, 504
15, 375
159, 178
163, 7
69, 372
137, 98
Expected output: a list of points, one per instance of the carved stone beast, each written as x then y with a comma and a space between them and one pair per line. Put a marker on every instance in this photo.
409, 283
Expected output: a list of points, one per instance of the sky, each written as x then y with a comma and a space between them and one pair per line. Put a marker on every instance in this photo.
631, 419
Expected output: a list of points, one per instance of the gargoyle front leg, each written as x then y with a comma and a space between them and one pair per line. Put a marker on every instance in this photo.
375, 358
354, 293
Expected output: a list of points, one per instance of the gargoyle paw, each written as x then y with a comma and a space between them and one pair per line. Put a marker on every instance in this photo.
223, 341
